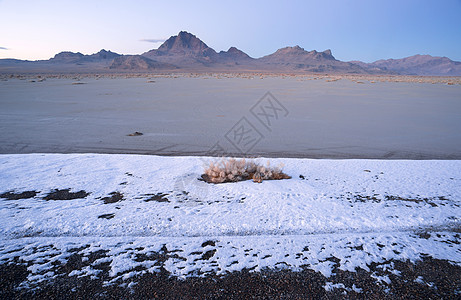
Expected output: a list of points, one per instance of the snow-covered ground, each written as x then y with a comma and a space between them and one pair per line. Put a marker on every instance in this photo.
356, 211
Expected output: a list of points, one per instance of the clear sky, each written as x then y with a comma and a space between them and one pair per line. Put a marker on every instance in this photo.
364, 30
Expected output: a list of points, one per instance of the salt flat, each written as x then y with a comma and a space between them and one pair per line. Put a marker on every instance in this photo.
187, 115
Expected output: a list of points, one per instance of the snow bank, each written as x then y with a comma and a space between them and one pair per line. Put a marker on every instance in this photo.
358, 211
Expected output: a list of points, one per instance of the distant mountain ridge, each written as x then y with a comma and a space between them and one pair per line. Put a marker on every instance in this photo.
298, 54
187, 53
184, 43
234, 54
186, 50
417, 65
137, 62
309, 61
72, 57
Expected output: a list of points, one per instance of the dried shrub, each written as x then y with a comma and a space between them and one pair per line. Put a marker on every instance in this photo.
233, 170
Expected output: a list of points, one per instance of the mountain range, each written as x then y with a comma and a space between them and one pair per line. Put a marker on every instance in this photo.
187, 53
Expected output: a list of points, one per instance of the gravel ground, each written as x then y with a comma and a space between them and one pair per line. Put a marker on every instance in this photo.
426, 279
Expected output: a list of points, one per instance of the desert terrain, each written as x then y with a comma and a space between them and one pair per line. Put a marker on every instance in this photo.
101, 195
336, 116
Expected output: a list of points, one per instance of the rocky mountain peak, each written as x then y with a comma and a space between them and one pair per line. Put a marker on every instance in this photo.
184, 42
104, 54
298, 54
67, 55
234, 50
234, 54
291, 50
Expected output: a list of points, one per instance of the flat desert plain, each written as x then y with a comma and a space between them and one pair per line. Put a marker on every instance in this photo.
184, 114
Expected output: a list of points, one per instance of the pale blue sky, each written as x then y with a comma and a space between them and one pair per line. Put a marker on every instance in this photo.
353, 30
